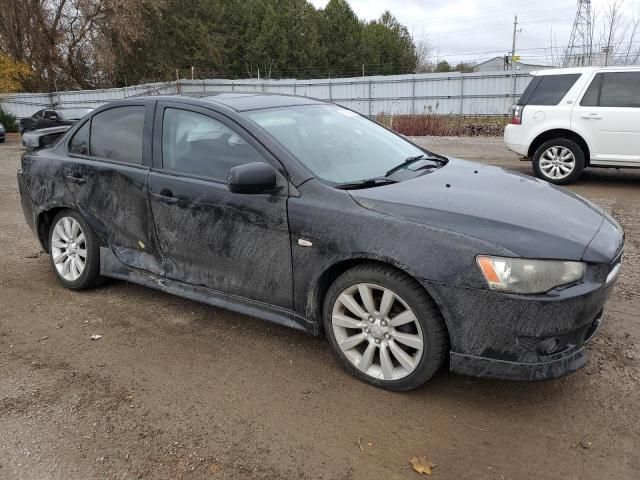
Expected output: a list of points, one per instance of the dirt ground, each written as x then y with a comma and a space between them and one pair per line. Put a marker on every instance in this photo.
175, 389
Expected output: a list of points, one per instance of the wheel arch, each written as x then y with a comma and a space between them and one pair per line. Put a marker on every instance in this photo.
560, 133
318, 294
43, 225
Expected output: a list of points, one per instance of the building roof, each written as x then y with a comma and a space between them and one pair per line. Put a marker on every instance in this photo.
528, 64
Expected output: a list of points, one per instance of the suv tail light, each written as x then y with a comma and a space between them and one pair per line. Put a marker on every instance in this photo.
516, 115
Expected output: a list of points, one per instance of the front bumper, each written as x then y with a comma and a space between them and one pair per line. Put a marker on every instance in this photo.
522, 337
555, 366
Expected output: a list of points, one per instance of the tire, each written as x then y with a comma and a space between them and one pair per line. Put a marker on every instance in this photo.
568, 154
89, 276
380, 336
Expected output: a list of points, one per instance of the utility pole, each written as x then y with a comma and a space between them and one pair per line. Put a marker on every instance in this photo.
515, 36
513, 56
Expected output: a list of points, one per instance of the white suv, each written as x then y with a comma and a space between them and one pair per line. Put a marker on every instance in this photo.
572, 118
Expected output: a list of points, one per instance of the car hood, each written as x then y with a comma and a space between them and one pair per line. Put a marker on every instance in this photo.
524, 215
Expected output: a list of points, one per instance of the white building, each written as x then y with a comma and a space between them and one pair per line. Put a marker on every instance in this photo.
500, 64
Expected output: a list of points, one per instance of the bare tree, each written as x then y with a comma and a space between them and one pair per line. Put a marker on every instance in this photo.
424, 56
68, 43
617, 43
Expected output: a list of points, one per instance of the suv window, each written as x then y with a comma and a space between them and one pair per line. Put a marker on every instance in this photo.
548, 89
195, 144
80, 142
592, 95
116, 134
621, 89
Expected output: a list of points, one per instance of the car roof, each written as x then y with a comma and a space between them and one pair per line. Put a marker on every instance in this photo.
580, 70
241, 102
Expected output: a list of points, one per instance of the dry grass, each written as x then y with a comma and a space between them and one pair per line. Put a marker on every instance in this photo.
445, 125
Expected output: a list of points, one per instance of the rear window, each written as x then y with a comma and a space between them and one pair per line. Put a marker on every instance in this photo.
548, 89
116, 134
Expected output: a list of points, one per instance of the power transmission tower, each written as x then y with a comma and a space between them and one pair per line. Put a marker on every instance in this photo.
579, 52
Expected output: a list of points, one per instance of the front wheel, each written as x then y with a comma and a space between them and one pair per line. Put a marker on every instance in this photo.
74, 251
384, 327
559, 161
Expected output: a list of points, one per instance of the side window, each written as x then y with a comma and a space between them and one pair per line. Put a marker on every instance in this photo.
621, 90
552, 89
195, 144
592, 95
80, 142
116, 134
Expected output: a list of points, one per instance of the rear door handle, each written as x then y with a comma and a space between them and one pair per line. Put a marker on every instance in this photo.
165, 197
592, 116
76, 180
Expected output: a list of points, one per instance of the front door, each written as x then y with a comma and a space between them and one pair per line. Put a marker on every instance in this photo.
233, 243
609, 116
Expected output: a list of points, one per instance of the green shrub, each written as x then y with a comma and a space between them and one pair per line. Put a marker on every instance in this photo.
9, 121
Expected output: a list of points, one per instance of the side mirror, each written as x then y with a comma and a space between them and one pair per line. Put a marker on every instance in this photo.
253, 178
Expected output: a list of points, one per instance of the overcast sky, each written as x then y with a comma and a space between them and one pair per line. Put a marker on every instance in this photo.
475, 30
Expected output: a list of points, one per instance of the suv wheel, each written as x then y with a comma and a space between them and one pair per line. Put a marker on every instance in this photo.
384, 327
559, 161
74, 251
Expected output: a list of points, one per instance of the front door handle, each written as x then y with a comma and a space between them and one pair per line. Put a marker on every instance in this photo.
592, 116
165, 197
76, 180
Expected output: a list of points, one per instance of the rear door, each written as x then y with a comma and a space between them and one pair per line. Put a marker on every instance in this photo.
107, 174
233, 243
608, 115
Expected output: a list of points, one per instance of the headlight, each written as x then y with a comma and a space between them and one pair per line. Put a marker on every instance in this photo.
518, 275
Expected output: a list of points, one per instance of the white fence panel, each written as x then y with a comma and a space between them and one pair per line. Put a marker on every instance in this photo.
439, 93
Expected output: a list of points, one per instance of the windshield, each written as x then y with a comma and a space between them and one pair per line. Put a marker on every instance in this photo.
73, 113
336, 144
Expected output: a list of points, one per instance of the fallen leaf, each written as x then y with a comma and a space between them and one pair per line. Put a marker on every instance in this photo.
422, 465
44, 338
214, 467
95, 337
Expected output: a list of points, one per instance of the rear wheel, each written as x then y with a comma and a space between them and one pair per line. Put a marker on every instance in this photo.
559, 161
74, 251
385, 328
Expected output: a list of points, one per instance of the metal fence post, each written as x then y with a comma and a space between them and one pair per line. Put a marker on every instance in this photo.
370, 97
413, 96
330, 92
461, 94
295, 84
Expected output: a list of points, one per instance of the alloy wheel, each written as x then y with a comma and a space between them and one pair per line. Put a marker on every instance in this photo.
377, 331
557, 162
69, 249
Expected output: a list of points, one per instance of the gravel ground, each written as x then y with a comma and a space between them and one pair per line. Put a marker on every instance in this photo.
175, 389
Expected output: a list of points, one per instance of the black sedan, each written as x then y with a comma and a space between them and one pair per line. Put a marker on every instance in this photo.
3, 133
309, 215
52, 118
